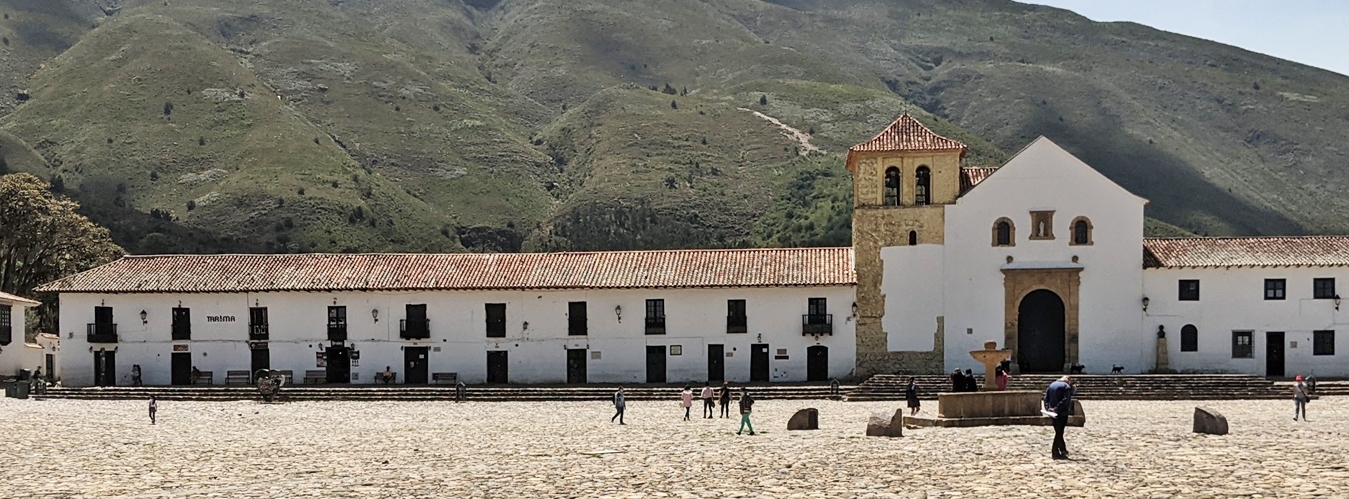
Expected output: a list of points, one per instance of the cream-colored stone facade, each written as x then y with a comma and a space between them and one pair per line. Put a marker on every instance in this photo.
877, 226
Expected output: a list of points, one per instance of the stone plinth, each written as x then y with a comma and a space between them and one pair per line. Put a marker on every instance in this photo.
1209, 421
988, 404
1009, 408
805, 419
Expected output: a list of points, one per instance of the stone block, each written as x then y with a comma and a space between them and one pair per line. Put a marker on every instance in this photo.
896, 428
1208, 421
804, 419
878, 425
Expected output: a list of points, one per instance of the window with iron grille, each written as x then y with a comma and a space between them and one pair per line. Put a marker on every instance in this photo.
736, 321
655, 316
182, 323
6, 326
1323, 288
1274, 289
1323, 343
1241, 345
337, 323
1189, 338
1189, 290
496, 320
257, 323
576, 319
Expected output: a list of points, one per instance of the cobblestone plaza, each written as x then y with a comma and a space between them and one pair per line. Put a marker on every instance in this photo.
73, 448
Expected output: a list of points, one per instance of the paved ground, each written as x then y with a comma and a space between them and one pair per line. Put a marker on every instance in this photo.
436, 449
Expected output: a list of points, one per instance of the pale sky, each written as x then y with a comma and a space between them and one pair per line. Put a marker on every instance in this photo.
1311, 32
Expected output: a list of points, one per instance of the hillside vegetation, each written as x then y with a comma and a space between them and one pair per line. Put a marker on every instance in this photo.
528, 125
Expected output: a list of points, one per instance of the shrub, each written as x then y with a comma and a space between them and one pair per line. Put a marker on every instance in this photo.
4, 166
763, 100
201, 141
300, 191
191, 205
168, 108
334, 184
674, 105
154, 176
317, 141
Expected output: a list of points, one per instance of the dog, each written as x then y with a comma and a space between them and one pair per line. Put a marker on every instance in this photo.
1076, 368
1114, 369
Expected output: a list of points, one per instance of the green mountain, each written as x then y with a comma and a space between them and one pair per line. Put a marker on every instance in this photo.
485, 125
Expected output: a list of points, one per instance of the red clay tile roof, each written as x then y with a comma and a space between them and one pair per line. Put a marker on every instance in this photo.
970, 177
906, 134
466, 271
6, 297
1280, 251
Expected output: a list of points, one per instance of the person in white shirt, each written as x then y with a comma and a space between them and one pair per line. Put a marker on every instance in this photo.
709, 402
1300, 398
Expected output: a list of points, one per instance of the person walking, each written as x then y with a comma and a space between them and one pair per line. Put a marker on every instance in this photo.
1300, 398
709, 402
154, 406
746, 406
686, 398
620, 403
725, 399
911, 396
1059, 401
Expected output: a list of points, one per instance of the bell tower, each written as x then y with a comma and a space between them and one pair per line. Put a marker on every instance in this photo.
902, 180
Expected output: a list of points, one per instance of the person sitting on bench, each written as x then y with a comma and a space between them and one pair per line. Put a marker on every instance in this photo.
387, 376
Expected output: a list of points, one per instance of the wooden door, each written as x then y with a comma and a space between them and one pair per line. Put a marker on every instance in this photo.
498, 367
576, 365
758, 362
655, 363
181, 368
716, 362
817, 363
415, 362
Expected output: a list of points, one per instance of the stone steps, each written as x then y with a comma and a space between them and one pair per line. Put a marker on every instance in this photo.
424, 393
1118, 387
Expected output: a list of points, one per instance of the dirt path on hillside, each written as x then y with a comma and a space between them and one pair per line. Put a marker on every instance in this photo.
800, 137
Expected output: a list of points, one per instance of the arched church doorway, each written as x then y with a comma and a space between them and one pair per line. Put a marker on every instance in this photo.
1041, 335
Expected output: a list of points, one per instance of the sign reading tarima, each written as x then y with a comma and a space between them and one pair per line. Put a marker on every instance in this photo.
220, 318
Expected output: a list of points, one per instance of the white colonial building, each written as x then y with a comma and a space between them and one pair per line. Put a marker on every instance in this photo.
1044, 255
611, 317
15, 353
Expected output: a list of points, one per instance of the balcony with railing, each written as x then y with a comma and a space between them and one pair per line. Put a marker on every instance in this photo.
258, 332
737, 324
102, 333
415, 329
817, 324
577, 327
655, 325
337, 331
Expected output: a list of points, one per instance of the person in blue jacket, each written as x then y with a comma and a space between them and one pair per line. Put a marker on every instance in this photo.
1059, 400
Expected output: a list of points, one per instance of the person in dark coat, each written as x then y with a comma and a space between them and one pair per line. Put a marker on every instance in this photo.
1059, 400
971, 384
725, 399
957, 381
911, 396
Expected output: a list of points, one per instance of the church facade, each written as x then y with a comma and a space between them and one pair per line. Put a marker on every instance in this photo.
1044, 255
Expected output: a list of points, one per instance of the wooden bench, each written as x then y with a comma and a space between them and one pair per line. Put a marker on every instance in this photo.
389, 379
288, 374
451, 378
203, 378
315, 377
237, 377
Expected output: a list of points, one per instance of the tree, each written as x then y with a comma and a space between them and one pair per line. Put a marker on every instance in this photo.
43, 238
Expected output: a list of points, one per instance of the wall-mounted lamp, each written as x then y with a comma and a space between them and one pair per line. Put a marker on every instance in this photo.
143, 318
374, 313
759, 338
1145, 303
526, 325
618, 311
1337, 302
854, 309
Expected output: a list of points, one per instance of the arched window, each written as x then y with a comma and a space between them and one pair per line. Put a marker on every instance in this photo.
1081, 231
1189, 338
892, 186
913, 238
1004, 233
922, 188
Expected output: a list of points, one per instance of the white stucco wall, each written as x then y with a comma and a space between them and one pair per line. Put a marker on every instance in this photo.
1044, 177
914, 295
1233, 300
537, 354
16, 355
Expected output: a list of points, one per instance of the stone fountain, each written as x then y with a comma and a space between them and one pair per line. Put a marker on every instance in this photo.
991, 407
990, 356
